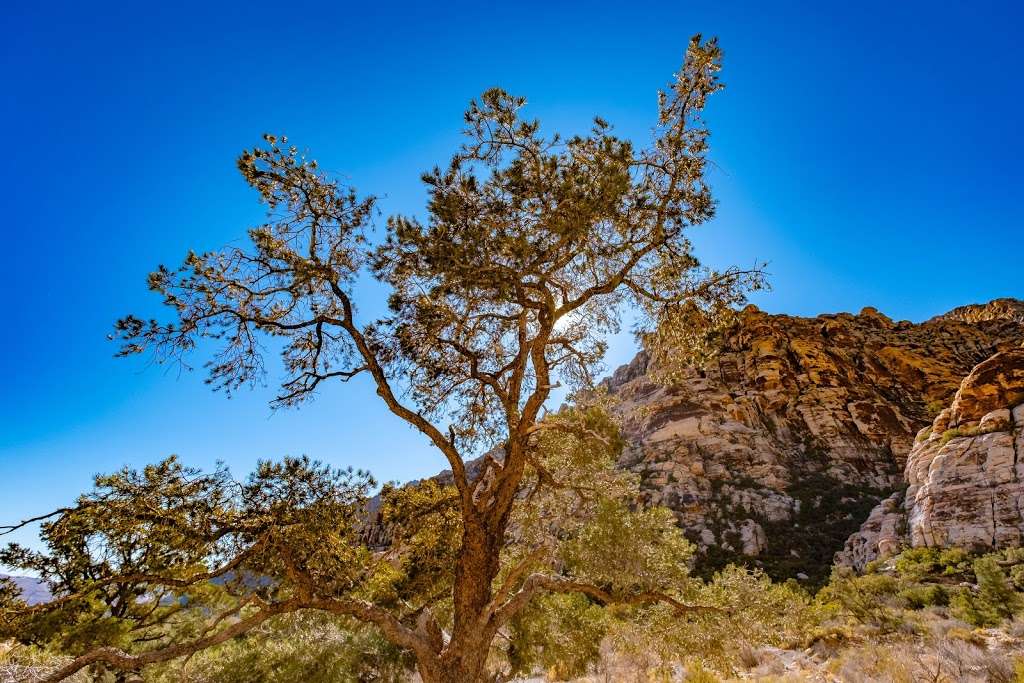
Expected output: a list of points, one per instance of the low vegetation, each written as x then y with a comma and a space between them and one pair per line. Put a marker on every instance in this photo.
926, 614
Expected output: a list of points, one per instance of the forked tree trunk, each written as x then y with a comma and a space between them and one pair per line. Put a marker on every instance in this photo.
464, 657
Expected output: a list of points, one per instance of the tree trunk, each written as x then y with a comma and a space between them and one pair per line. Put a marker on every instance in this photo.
464, 658
455, 671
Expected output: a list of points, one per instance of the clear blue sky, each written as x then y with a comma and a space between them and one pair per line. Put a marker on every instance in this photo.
871, 152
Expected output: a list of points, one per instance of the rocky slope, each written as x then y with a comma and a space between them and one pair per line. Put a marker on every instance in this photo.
777, 449
965, 476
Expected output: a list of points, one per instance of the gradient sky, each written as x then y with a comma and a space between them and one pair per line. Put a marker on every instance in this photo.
870, 152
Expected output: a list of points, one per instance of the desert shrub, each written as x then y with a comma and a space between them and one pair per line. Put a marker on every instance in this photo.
696, 673
954, 561
995, 599
1017, 576
917, 563
1015, 627
873, 566
869, 598
921, 596
748, 657
307, 647
560, 634
743, 609
872, 663
964, 656
943, 660
965, 635
31, 663
951, 434
934, 407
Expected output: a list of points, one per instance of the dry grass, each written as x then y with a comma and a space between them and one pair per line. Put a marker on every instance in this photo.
20, 664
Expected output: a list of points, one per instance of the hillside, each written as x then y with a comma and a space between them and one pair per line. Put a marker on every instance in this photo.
33, 591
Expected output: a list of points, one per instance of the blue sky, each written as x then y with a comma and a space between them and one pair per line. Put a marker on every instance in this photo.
871, 152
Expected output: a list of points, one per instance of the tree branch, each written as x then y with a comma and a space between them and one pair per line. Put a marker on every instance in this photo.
536, 583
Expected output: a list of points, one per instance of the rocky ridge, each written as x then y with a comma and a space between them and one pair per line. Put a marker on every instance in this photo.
33, 591
779, 447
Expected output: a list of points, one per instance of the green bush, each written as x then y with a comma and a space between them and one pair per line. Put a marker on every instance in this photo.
934, 407
869, 598
918, 563
312, 648
921, 596
1017, 576
928, 577
954, 561
995, 599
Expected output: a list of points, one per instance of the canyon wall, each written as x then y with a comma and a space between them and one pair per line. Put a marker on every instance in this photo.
964, 476
776, 450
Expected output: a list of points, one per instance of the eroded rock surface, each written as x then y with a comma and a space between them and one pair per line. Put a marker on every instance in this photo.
779, 447
965, 476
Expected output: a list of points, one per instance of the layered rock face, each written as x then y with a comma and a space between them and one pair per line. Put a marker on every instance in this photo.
779, 447
965, 475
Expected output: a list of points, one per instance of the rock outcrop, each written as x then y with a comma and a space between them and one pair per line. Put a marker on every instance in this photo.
965, 475
780, 446
997, 309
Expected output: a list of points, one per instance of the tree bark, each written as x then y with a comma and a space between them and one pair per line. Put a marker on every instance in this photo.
464, 658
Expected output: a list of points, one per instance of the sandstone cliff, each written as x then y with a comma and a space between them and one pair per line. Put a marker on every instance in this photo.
965, 475
779, 447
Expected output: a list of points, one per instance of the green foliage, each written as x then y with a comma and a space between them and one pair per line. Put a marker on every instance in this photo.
867, 598
951, 434
934, 407
918, 563
746, 607
559, 634
629, 550
598, 533
140, 559
930, 577
919, 597
995, 599
424, 523
958, 432
308, 647
1017, 576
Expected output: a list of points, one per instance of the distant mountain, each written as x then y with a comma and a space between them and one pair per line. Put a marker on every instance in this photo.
33, 591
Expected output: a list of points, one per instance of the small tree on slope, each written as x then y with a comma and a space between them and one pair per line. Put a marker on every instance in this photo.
532, 247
